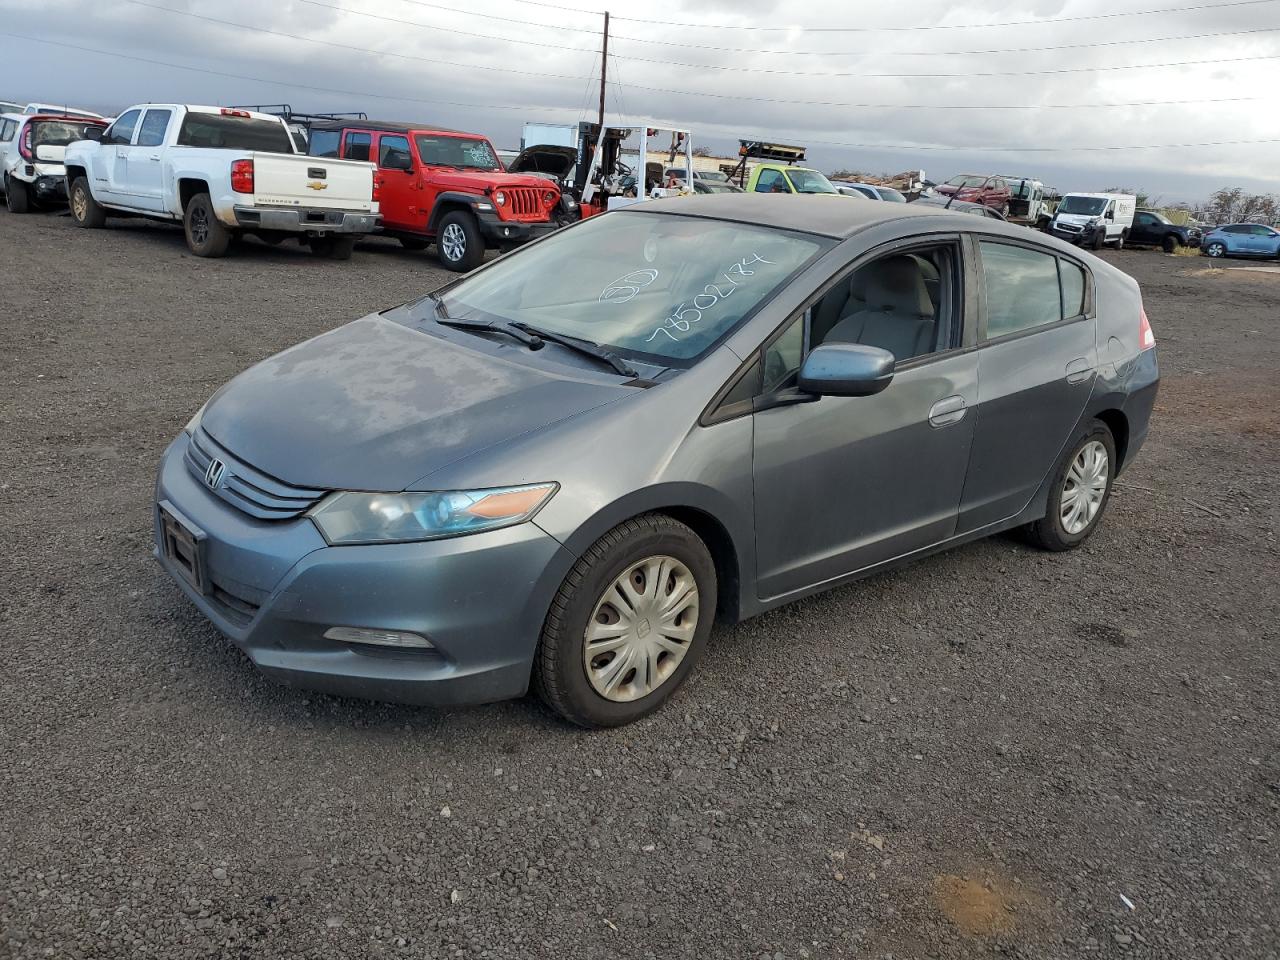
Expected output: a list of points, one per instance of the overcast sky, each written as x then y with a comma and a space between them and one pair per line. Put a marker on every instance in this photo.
412, 60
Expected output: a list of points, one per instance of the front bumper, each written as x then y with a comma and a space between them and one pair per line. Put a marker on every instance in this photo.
1070, 233
274, 588
303, 220
49, 187
495, 230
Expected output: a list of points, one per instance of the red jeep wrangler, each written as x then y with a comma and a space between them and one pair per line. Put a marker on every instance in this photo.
443, 187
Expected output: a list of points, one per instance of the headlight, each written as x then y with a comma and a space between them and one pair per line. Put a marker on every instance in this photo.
347, 518
500, 198
550, 197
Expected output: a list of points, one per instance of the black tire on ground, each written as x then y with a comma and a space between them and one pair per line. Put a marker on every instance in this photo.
16, 197
1049, 532
1004, 211
409, 243
1120, 241
458, 242
273, 239
1099, 238
85, 211
559, 672
332, 248
1171, 243
206, 236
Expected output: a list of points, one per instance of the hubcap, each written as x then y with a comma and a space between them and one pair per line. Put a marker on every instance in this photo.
1215, 249
199, 226
79, 205
1084, 488
453, 242
641, 629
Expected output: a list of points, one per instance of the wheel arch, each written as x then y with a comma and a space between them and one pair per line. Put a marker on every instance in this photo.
188, 187
1118, 424
73, 172
448, 203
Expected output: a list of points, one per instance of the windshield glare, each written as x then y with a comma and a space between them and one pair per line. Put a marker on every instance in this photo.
471, 153
1090, 206
810, 181
659, 287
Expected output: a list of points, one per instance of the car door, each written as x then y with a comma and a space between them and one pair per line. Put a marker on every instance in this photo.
1236, 236
399, 190
145, 169
845, 483
1271, 242
111, 165
1035, 374
1261, 241
8, 145
1144, 229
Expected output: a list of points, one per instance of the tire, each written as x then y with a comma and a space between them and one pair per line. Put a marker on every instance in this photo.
1120, 242
273, 239
1099, 238
332, 248
409, 243
17, 199
1217, 250
1004, 211
458, 242
1170, 244
1053, 531
206, 236
634, 550
85, 211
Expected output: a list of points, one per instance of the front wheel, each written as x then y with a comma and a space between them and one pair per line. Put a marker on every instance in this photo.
86, 211
1216, 250
1080, 493
628, 623
16, 196
206, 235
1170, 244
459, 244
1099, 238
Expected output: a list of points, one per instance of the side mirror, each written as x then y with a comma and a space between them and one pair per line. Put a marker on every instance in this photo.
1109, 215
846, 370
399, 161
93, 133
49, 153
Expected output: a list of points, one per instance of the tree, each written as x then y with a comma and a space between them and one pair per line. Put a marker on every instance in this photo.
701, 151
1234, 205
1144, 199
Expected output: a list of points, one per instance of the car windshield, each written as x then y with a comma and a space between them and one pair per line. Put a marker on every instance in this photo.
222, 132
890, 194
470, 153
662, 288
810, 181
1083, 205
966, 181
1159, 216
59, 133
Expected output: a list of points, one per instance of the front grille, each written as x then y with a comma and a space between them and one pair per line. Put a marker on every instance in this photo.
245, 488
525, 203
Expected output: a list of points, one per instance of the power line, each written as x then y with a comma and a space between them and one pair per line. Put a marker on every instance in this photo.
938, 53
985, 149
426, 26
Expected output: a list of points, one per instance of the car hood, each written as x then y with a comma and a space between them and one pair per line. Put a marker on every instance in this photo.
477, 181
376, 405
545, 158
1077, 219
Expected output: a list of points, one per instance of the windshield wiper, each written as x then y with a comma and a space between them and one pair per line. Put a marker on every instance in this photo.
585, 347
485, 326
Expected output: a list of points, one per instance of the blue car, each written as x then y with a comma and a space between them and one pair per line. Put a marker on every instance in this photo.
1242, 240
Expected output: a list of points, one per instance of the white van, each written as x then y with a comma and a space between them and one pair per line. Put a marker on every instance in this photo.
1092, 219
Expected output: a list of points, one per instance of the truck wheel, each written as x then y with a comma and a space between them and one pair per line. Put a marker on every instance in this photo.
206, 236
411, 244
332, 248
1170, 244
459, 244
16, 198
1099, 238
1120, 242
85, 210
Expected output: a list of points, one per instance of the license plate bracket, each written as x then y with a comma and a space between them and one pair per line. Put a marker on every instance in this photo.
183, 546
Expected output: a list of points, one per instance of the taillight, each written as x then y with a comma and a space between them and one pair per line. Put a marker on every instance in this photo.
1145, 336
242, 176
24, 145
377, 188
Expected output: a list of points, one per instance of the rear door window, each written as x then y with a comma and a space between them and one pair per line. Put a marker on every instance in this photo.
357, 145
1022, 289
6, 130
154, 125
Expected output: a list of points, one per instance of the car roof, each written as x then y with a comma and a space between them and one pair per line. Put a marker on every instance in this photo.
821, 214
388, 126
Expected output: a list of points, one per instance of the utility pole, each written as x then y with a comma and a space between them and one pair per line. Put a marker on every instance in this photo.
604, 63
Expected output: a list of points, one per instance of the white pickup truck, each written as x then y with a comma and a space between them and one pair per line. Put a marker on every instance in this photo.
220, 173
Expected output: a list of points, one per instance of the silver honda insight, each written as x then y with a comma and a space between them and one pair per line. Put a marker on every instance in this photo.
561, 469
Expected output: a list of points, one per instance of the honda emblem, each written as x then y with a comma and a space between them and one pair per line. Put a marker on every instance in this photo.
213, 473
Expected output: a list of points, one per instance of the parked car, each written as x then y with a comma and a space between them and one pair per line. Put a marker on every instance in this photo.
958, 206
1094, 219
715, 186
8, 106
781, 178
219, 172
444, 187
991, 192
779, 396
54, 109
710, 176
1153, 228
32, 147
870, 190
1241, 240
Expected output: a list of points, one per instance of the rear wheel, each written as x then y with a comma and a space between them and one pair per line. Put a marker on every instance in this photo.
1171, 244
332, 248
16, 197
86, 211
410, 243
206, 236
1216, 249
1080, 493
628, 623
459, 244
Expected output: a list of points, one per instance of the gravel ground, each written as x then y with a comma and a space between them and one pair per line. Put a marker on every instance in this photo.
992, 751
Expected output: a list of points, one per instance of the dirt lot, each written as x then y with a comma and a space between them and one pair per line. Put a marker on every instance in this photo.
992, 751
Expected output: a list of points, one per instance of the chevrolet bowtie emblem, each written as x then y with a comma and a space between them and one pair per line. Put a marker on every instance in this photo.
317, 185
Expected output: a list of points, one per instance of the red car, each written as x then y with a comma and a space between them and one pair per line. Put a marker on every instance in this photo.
443, 187
991, 192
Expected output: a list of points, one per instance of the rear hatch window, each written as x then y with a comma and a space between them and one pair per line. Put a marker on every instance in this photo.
234, 133
58, 133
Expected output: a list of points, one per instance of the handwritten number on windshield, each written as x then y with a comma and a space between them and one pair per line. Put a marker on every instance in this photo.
628, 286
684, 316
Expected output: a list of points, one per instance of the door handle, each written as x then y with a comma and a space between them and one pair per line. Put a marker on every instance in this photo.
1079, 370
947, 411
